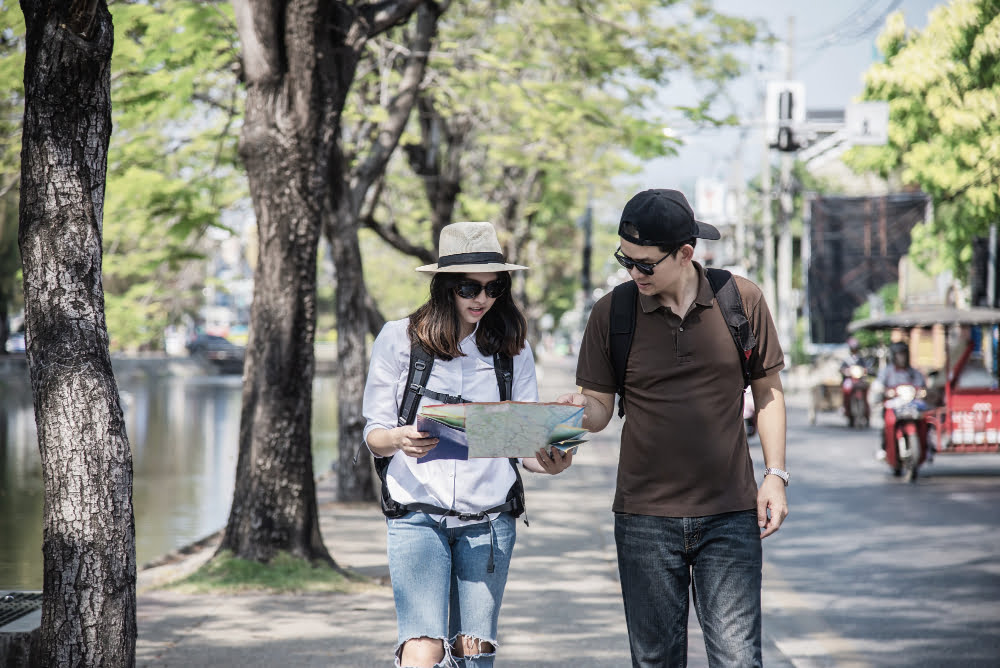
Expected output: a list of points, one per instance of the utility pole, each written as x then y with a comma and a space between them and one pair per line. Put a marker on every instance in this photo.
785, 307
766, 218
736, 195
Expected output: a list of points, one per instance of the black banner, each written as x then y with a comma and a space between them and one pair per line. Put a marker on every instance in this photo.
855, 247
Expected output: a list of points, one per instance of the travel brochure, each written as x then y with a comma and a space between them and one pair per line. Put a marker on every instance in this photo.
500, 429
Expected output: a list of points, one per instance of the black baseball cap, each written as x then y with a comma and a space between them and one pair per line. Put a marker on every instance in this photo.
662, 218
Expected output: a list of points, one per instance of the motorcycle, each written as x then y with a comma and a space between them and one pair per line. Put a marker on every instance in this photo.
905, 430
749, 413
854, 392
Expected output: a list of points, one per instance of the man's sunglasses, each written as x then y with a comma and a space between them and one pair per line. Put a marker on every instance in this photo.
471, 289
644, 267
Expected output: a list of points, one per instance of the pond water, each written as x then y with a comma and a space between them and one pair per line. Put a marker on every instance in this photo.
184, 435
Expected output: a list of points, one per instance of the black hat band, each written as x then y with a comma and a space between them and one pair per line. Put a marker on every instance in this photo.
470, 258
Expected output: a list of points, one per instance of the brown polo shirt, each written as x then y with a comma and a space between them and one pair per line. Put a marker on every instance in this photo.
684, 451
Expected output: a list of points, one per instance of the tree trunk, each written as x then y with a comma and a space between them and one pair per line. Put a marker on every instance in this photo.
299, 59
4, 327
274, 501
285, 146
353, 204
88, 609
354, 478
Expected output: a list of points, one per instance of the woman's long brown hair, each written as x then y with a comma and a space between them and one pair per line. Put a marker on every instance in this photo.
436, 323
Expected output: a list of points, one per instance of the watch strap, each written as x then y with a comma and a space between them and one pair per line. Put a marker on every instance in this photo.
778, 472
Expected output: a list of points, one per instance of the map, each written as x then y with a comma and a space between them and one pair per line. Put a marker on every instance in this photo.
500, 429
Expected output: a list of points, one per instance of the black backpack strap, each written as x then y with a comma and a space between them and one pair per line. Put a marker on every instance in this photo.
504, 367
421, 362
621, 328
728, 297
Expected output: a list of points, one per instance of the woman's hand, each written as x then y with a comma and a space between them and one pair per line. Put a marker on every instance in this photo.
550, 461
411, 442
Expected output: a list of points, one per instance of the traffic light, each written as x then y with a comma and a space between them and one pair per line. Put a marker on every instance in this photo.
785, 114
786, 137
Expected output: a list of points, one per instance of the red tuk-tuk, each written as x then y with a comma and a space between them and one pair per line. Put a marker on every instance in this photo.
963, 413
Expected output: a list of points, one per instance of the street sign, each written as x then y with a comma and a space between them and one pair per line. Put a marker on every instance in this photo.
710, 199
867, 123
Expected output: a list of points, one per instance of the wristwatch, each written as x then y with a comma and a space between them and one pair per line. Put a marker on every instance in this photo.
778, 472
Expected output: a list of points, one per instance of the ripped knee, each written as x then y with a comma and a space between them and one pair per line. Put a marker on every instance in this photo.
423, 651
467, 646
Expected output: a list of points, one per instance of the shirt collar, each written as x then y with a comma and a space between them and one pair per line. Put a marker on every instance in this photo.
705, 296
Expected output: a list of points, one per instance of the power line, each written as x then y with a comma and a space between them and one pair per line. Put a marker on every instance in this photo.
843, 24
845, 38
855, 27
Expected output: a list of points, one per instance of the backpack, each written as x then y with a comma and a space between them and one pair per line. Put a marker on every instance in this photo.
622, 325
421, 362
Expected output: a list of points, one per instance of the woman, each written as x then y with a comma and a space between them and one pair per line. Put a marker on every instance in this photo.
449, 561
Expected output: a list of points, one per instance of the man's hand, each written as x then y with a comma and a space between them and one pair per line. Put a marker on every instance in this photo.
597, 407
772, 505
575, 398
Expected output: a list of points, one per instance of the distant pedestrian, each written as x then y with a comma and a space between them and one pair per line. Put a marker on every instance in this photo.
451, 526
688, 511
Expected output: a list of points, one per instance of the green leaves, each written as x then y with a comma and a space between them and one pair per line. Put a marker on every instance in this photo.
943, 87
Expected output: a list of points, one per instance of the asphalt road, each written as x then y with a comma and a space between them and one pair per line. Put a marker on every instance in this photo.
869, 570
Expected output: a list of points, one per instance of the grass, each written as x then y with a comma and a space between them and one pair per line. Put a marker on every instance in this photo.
285, 574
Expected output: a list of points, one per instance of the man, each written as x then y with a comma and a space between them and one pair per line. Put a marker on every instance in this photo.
897, 372
854, 357
854, 372
688, 511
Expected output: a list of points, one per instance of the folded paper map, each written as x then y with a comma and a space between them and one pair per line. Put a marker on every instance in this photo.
500, 429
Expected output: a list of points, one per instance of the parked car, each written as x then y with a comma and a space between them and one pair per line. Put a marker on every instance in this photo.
15, 343
221, 352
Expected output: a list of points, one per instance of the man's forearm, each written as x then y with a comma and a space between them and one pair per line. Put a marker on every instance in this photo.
769, 398
771, 429
598, 411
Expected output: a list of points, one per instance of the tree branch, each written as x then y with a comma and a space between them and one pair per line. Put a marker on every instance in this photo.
380, 16
389, 233
401, 105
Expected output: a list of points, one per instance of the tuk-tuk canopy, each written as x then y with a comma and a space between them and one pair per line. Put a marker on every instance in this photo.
928, 317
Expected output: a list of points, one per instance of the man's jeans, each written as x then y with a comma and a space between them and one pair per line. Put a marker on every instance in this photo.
657, 557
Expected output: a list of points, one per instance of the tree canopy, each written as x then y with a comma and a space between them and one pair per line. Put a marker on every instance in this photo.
530, 110
943, 88
172, 161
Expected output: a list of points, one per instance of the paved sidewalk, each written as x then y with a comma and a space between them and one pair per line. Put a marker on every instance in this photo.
562, 605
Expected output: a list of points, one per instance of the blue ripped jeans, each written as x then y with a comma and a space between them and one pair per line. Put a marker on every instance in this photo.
719, 558
441, 583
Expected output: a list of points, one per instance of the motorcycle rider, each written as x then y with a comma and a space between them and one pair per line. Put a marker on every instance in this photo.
854, 357
851, 385
897, 372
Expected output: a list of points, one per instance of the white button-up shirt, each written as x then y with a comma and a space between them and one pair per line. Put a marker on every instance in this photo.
466, 486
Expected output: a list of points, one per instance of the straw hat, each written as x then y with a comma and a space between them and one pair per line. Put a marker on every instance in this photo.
467, 248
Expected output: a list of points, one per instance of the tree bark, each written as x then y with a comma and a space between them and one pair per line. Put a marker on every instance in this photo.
88, 610
299, 59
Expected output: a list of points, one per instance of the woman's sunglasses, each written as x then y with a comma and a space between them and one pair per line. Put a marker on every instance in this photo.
471, 289
644, 267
